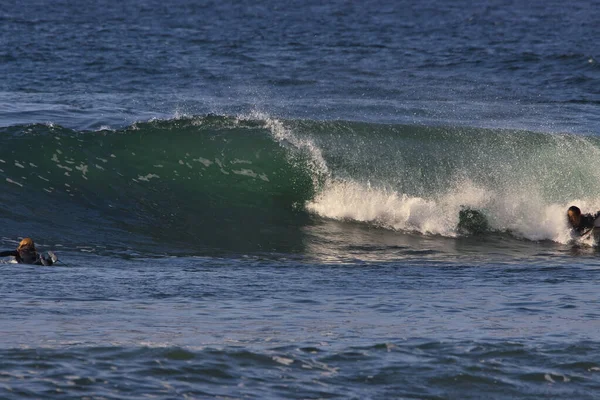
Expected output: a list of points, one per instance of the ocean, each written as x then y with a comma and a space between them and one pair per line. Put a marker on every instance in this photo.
299, 199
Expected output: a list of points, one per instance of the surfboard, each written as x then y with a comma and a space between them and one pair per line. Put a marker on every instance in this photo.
48, 256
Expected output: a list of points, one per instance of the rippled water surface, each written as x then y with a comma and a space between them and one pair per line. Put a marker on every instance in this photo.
252, 327
267, 199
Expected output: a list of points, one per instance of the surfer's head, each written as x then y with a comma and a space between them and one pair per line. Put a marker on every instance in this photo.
26, 243
574, 215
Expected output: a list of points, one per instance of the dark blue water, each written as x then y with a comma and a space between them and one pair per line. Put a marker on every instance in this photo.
502, 63
263, 200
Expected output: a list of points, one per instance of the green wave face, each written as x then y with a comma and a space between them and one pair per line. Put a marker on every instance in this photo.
210, 181
256, 183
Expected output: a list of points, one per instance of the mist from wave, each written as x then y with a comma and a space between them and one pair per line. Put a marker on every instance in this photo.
419, 179
253, 182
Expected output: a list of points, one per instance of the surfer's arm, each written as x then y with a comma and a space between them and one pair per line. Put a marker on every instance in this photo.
586, 233
9, 253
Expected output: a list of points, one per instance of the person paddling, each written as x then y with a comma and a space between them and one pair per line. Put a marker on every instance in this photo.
27, 254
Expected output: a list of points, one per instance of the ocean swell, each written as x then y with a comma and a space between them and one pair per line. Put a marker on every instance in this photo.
418, 179
250, 183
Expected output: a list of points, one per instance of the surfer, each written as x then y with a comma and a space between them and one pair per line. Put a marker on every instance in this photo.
582, 224
27, 254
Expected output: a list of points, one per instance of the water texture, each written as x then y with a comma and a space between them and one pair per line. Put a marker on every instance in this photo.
272, 199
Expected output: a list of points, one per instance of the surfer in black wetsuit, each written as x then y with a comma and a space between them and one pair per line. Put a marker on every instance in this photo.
27, 254
581, 223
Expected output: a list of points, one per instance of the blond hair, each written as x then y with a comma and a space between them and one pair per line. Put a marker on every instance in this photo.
26, 242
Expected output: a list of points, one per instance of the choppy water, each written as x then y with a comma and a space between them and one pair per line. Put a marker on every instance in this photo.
207, 327
263, 200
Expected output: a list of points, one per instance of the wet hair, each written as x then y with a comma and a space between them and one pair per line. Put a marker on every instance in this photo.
575, 210
26, 242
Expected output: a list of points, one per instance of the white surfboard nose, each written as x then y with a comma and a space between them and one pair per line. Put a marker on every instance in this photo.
52, 256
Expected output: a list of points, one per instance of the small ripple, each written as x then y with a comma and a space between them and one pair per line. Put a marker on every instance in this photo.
407, 368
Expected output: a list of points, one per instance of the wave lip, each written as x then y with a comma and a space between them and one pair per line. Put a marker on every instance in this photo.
418, 179
253, 181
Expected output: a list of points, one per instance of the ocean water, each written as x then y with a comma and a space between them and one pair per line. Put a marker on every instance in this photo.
268, 199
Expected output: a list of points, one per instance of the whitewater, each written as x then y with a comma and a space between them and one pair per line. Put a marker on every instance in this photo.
281, 200
407, 179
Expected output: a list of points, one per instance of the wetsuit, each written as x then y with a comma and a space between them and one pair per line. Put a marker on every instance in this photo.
27, 256
586, 223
